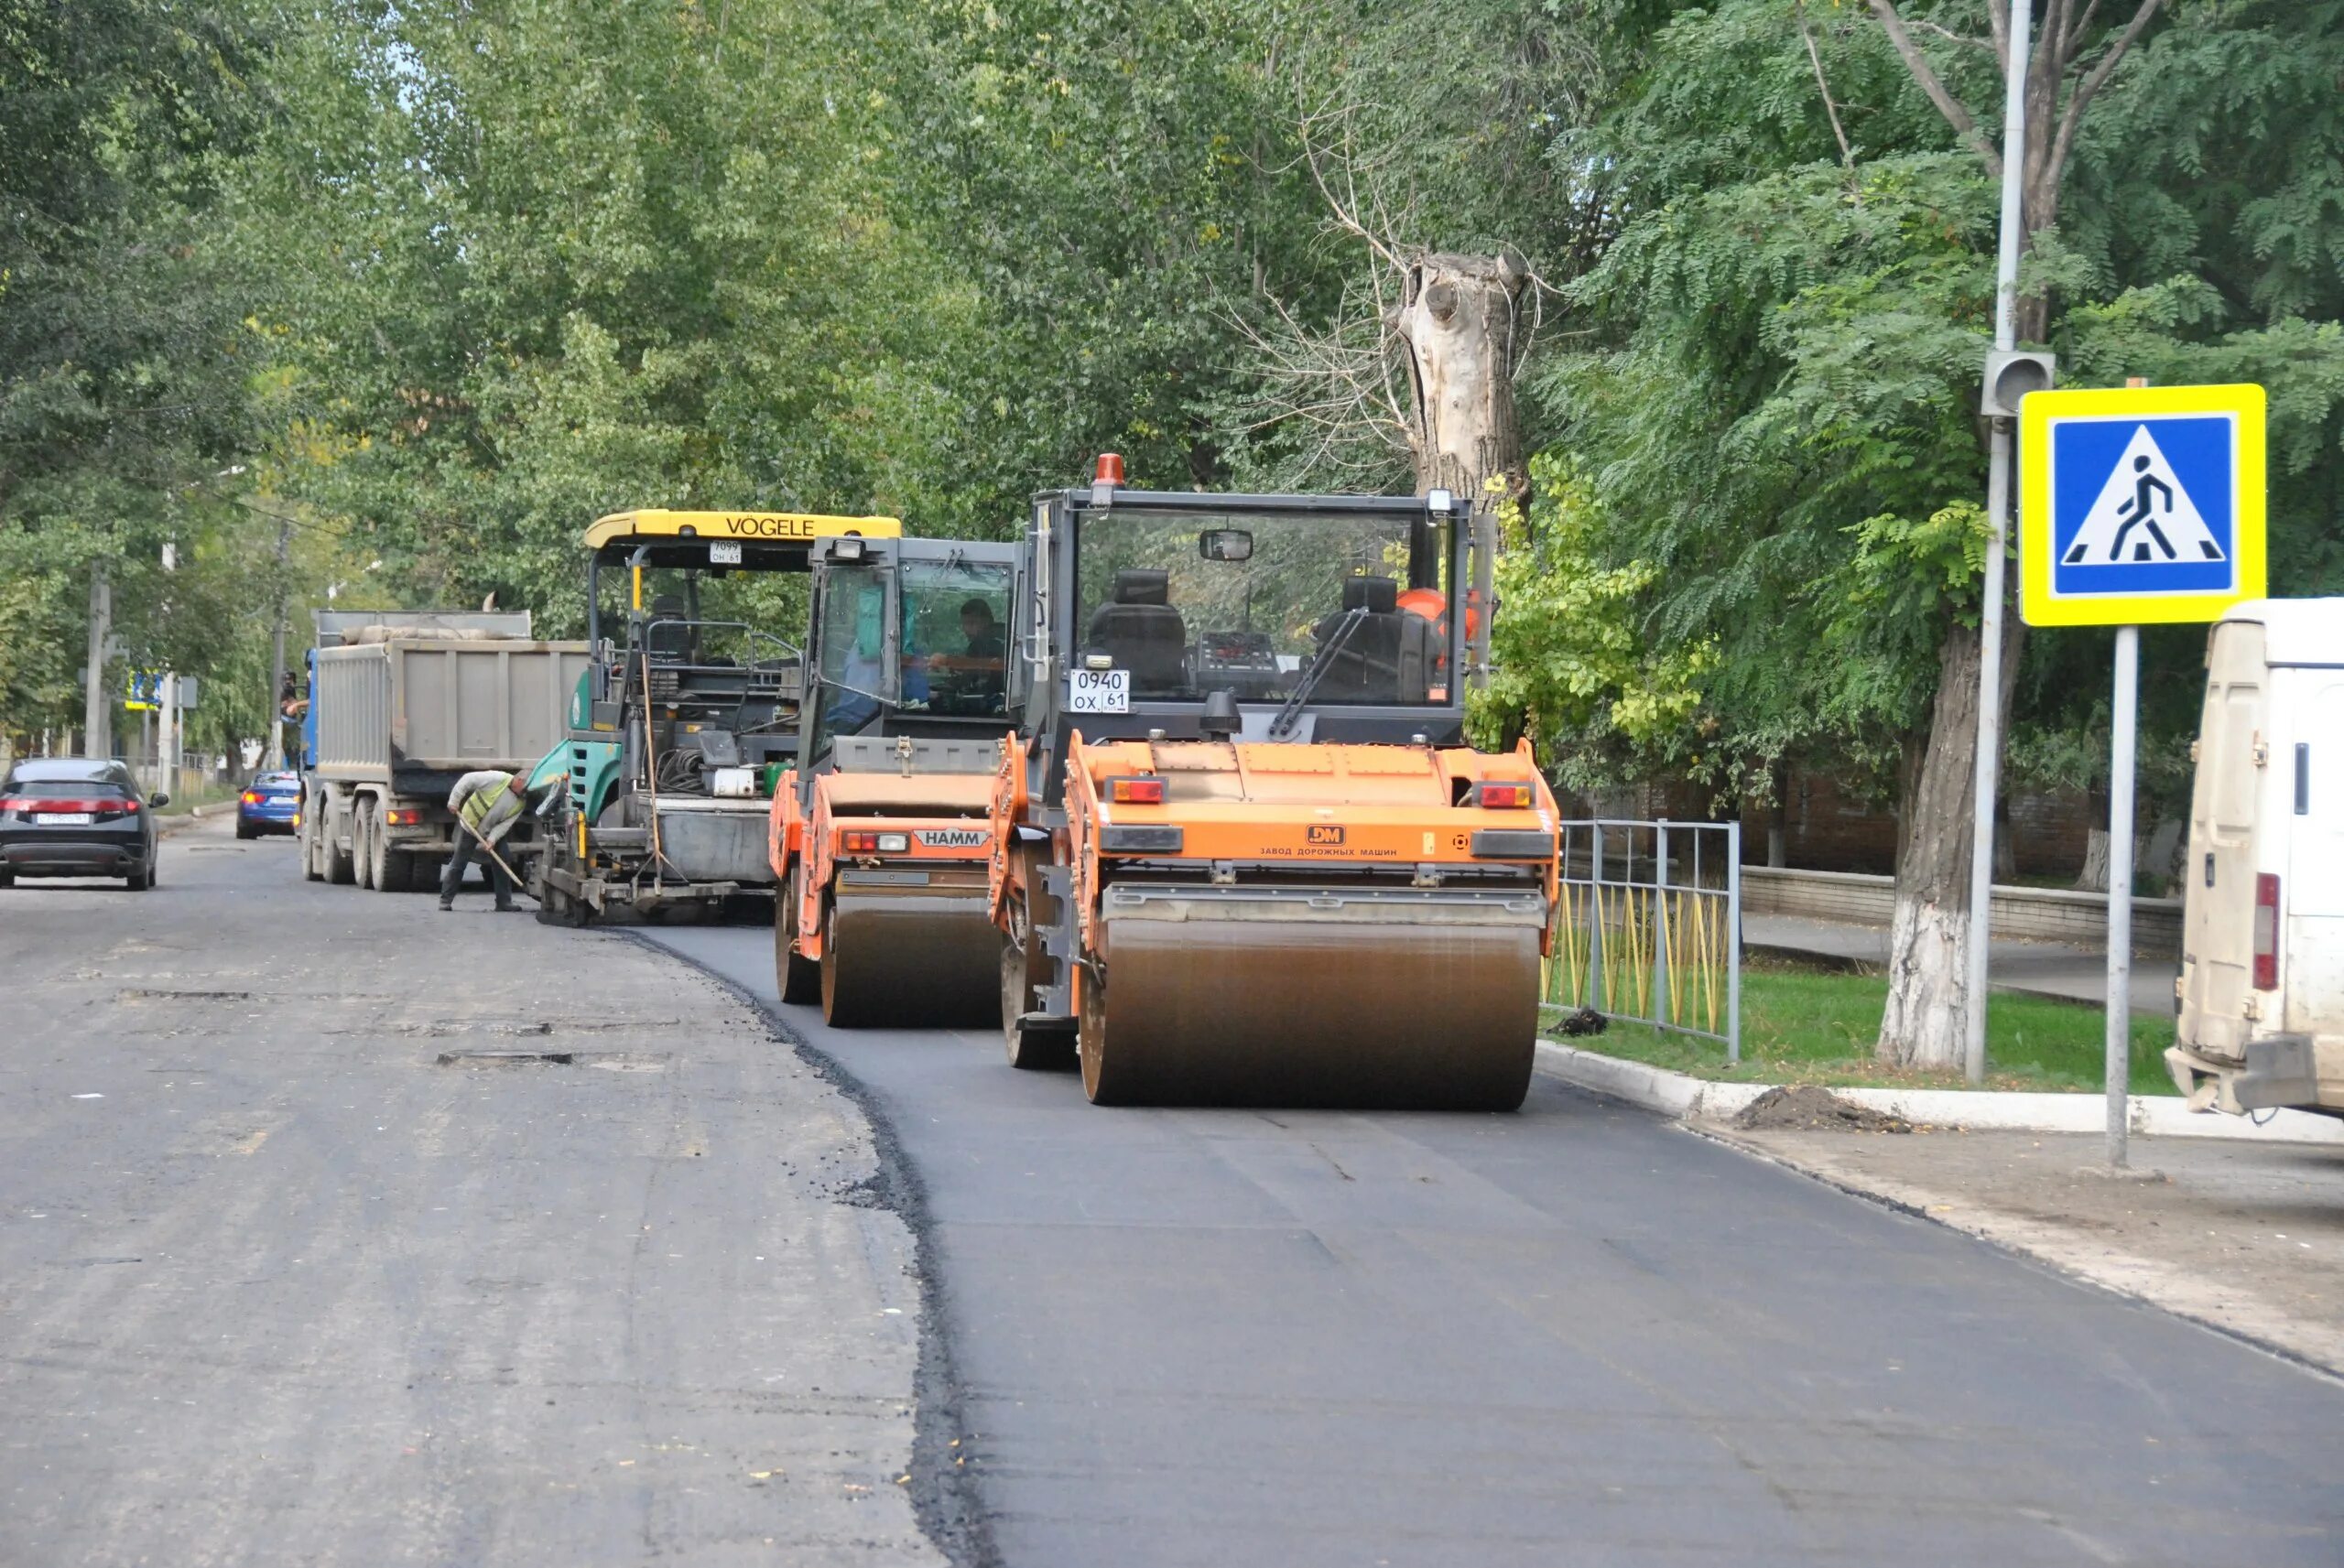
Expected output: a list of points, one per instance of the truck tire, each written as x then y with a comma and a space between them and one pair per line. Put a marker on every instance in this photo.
397, 874
366, 844
313, 859
342, 865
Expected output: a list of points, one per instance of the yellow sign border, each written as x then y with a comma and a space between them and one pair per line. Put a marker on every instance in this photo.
2037, 606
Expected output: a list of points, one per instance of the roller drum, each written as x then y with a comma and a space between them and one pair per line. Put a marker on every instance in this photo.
914, 958
1381, 1007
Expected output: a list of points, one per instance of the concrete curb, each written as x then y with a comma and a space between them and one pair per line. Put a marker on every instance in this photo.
1686, 1097
180, 822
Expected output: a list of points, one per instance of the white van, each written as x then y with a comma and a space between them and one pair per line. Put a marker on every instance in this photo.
2262, 987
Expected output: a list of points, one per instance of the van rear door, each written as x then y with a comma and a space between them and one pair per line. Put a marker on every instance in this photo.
2218, 913
2313, 951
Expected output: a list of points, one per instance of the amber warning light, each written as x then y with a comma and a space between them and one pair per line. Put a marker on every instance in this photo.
1109, 470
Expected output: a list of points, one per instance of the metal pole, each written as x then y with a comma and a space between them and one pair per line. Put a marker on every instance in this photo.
1998, 503
2120, 891
167, 759
1595, 998
273, 754
97, 724
1733, 939
1660, 987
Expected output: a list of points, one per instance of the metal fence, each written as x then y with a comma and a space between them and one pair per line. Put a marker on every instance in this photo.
1651, 928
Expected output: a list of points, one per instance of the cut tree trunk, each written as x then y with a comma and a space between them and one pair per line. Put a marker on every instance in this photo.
1926, 1022
1461, 325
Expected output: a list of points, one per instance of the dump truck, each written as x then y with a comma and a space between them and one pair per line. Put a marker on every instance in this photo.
402, 704
880, 838
687, 713
2259, 1001
1241, 853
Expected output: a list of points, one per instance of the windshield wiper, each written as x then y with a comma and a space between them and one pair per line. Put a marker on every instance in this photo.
1290, 711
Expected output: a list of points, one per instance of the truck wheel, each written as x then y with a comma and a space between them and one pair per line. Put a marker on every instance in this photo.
397, 874
367, 847
342, 865
313, 859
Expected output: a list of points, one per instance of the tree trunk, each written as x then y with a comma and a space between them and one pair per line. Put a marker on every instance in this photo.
1926, 1022
2094, 876
1462, 331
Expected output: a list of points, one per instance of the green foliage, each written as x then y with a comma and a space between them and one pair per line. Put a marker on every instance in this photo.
1566, 654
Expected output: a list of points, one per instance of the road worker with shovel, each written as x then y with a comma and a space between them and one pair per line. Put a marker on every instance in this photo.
487, 805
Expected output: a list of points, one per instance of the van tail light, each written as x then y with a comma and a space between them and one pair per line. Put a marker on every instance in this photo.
1503, 794
2266, 932
1136, 792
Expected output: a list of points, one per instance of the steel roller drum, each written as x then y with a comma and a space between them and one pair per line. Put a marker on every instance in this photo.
1386, 1002
913, 958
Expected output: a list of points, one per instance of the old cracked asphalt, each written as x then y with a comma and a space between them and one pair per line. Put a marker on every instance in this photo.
278, 1286
293, 1291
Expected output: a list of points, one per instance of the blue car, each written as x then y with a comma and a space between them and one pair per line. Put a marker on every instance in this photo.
269, 805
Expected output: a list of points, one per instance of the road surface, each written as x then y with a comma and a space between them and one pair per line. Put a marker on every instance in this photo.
281, 1285
1574, 1335
278, 1285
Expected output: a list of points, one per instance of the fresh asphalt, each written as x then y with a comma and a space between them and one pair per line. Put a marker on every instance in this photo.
1573, 1335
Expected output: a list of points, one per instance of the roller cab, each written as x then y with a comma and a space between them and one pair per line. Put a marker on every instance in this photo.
881, 840
1243, 853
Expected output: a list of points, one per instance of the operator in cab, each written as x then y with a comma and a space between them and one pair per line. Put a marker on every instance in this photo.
487, 803
975, 678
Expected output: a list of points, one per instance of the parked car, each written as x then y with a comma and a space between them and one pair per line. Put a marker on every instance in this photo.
270, 804
76, 817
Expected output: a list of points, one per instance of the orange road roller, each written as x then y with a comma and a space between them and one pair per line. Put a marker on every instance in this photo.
1241, 854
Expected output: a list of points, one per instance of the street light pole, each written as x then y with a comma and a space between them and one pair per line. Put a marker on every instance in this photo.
1998, 513
273, 756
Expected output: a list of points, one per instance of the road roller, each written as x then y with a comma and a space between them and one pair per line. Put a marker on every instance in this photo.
880, 837
1241, 853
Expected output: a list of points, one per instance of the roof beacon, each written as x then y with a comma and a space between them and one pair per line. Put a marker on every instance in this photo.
1110, 471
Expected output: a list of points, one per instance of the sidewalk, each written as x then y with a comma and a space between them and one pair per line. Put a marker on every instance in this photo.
2034, 968
2247, 1237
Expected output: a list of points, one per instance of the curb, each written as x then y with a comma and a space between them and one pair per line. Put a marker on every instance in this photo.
1687, 1098
181, 821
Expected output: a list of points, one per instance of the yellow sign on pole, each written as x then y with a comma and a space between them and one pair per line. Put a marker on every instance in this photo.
2140, 505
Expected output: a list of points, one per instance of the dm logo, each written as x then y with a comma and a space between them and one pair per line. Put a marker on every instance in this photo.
1324, 833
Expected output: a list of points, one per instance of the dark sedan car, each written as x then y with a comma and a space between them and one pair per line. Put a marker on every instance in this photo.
270, 804
76, 817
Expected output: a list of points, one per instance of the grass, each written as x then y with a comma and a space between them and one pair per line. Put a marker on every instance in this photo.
1806, 1027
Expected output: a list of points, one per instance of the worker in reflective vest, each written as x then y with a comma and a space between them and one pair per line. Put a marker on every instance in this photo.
487, 803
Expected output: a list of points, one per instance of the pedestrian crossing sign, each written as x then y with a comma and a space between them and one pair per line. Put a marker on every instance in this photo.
2140, 505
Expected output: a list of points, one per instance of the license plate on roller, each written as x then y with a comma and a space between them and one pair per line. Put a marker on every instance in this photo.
64, 818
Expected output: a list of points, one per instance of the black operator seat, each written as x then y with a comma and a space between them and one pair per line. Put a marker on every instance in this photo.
670, 644
1142, 633
1390, 654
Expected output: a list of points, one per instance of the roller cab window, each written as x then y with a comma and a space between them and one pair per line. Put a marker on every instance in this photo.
855, 653
1350, 607
955, 639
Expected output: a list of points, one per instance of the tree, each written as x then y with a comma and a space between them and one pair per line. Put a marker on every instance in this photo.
1926, 1020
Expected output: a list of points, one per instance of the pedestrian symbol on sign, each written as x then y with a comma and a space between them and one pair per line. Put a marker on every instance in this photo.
2143, 514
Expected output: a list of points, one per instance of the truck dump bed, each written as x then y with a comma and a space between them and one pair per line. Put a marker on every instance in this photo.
441, 706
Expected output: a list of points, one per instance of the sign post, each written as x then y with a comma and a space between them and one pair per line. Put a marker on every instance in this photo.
2138, 506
